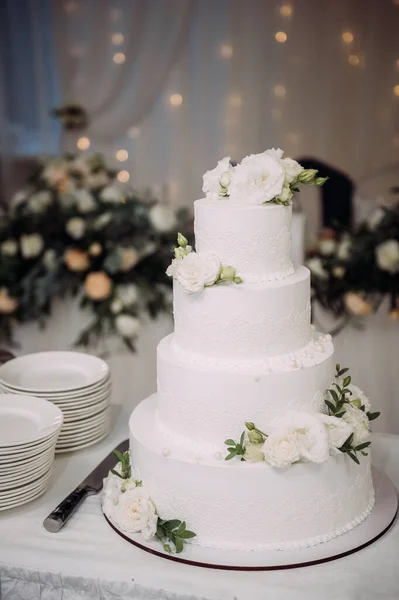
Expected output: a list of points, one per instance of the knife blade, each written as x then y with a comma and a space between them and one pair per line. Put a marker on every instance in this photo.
89, 486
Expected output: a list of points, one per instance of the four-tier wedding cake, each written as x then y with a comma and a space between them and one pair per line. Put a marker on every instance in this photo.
254, 437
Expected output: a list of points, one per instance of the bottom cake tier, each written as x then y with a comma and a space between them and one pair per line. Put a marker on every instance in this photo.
249, 506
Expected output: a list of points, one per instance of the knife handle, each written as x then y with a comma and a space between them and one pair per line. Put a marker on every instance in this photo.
64, 511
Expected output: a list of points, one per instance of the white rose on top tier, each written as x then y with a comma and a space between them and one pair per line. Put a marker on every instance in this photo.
258, 179
217, 180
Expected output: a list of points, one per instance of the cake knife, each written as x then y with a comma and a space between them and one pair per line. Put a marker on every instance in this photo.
89, 486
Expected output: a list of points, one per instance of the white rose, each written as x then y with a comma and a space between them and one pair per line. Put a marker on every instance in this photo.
338, 430
286, 194
39, 201
31, 245
195, 271
359, 421
258, 179
327, 247
215, 181
9, 248
315, 266
50, 259
135, 512
127, 294
310, 434
112, 489
171, 270
375, 218
344, 248
76, 228
163, 218
84, 201
281, 450
358, 397
127, 326
387, 256
275, 153
253, 453
111, 194
291, 168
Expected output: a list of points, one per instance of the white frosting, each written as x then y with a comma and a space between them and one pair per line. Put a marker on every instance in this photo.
246, 320
255, 240
208, 404
239, 505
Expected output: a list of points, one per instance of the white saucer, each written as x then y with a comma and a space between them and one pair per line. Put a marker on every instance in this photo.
371, 529
33, 452
13, 481
87, 444
26, 419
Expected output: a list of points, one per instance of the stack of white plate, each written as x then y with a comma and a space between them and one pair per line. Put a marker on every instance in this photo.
29, 428
79, 384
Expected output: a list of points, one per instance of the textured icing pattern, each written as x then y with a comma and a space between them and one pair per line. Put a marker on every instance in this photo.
267, 255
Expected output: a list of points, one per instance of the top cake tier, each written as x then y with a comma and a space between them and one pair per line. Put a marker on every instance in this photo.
255, 240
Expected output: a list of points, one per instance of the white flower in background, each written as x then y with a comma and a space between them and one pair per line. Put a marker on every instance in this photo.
359, 421
216, 181
327, 247
54, 174
315, 266
111, 194
76, 228
163, 217
387, 256
84, 201
258, 179
31, 245
344, 248
281, 449
254, 453
102, 221
9, 248
286, 193
338, 430
50, 259
135, 512
127, 326
79, 165
18, 198
292, 168
375, 218
127, 294
116, 306
195, 271
357, 304
40, 201
97, 180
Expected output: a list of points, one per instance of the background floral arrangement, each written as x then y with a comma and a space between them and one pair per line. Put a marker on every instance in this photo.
73, 231
353, 273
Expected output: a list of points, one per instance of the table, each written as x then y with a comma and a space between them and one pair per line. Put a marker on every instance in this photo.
87, 560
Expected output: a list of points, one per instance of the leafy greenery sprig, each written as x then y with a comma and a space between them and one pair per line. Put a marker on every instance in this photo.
173, 531
124, 459
350, 450
255, 436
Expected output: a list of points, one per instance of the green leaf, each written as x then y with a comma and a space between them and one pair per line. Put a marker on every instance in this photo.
362, 446
188, 534
230, 456
347, 391
118, 455
349, 440
230, 443
372, 416
167, 548
353, 457
340, 414
160, 532
233, 449
342, 372
337, 368
242, 438
116, 473
181, 529
179, 545
364, 453
334, 395
172, 524
347, 381
330, 406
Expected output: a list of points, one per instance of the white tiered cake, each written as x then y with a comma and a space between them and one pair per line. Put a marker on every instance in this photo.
244, 355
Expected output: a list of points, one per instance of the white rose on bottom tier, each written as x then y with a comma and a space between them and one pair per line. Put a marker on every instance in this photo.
359, 421
338, 430
135, 512
195, 271
281, 449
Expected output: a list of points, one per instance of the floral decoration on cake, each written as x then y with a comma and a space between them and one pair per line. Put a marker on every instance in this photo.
259, 178
300, 436
195, 271
129, 505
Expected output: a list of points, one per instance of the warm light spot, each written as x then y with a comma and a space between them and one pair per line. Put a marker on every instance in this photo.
83, 143
235, 100
133, 132
347, 37
286, 10
396, 2
396, 90
279, 91
122, 155
281, 37
118, 39
353, 60
276, 113
119, 58
226, 51
123, 176
176, 99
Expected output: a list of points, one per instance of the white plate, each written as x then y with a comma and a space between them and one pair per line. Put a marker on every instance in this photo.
26, 489
83, 435
86, 421
30, 453
25, 467
25, 500
83, 413
53, 371
13, 481
26, 419
60, 396
22, 449
74, 448
82, 404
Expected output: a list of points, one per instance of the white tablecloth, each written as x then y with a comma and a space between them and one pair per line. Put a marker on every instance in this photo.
87, 560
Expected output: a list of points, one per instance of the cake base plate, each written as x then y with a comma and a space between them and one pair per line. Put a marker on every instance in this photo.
371, 529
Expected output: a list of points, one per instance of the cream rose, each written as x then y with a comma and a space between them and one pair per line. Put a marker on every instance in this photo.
281, 450
195, 271
254, 453
338, 430
216, 181
127, 326
135, 512
358, 420
163, 218
292, 169
387, 256
258, 179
